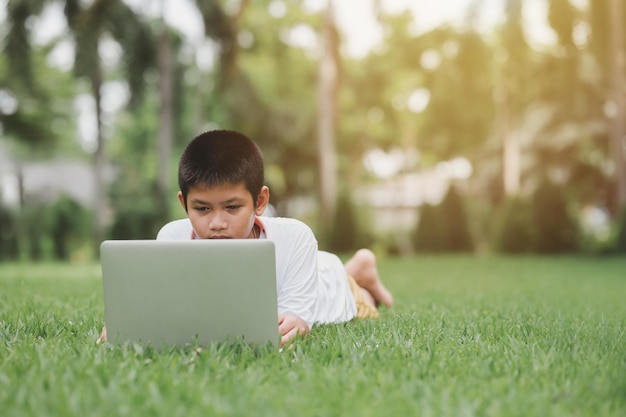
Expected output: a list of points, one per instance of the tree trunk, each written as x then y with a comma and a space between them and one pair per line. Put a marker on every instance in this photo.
100, 200
511, 152
165, 129
326, 108
618, 131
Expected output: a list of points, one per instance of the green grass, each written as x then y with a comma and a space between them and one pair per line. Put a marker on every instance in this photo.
525, 336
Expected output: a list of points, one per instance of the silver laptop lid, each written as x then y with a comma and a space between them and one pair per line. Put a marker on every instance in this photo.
187, 292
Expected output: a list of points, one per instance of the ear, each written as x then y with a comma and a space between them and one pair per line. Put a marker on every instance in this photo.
262, 201
182, 201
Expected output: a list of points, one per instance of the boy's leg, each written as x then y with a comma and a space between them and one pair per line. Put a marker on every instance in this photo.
362, 267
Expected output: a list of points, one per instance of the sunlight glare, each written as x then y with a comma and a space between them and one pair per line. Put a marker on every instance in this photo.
384, 164
300, 36
430, 59
418, 100
8, 102
85, 107
277, 9
457, 168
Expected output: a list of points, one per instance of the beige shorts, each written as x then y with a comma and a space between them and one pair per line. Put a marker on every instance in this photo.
364, 310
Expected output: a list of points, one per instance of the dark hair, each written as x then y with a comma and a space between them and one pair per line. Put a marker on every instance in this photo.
221, 157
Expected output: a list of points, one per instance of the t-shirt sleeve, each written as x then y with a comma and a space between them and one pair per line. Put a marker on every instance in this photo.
175, 230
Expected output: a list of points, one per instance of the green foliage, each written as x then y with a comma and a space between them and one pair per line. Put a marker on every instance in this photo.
541, 224
620, 237
430, 232
136, 212
17, 45
69, 226
444, 227
35, 230
39, 111
89, 22
523, 336
453, 122
512, 227
556, 229
54, 230
9, 247
344, 225
272, 97
348, 232
479, 85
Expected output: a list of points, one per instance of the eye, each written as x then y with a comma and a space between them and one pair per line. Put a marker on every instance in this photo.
201, 209
232, 207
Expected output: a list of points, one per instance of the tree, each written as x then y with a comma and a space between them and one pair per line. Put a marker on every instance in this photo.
444, 227
29, 124
327, 86
264, 86
617, 69
166, 114
553, 224
510, 92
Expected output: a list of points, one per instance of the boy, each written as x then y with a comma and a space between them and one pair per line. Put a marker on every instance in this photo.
221, 180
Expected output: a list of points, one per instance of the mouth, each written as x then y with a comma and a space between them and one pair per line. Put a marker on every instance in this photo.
219, 237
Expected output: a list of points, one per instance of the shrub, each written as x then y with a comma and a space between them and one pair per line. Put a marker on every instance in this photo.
69, 226
34, 219
138, 213
556, 229
512, 227
9, 249
444, 227
347, 233
620, 233
139, 220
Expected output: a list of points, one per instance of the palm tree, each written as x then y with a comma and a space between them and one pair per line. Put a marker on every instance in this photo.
223, 28
617, 68
30, 126
166, 114
327, 87
509, 88
88, 25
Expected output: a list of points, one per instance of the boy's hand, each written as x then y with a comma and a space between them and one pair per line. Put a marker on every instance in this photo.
290, 326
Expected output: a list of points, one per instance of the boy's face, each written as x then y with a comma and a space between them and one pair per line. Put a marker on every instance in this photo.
223, 211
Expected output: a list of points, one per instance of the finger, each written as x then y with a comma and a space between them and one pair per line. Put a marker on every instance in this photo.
288, 337
293, 334
285, 326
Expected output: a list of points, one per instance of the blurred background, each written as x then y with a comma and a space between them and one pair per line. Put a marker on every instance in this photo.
479, 126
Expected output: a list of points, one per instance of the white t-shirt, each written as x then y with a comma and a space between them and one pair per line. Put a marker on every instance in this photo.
311, 284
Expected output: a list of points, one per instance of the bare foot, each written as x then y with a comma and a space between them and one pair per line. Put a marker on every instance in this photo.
362, 267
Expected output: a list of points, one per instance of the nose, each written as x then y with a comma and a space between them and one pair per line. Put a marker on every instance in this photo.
217, 222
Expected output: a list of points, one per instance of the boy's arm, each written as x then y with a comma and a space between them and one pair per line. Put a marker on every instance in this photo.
298, 288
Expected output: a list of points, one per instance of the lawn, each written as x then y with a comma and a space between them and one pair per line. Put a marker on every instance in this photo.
469, 336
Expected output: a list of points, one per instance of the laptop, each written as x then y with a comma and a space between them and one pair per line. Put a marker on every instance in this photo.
188, 293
